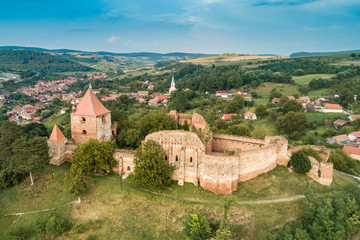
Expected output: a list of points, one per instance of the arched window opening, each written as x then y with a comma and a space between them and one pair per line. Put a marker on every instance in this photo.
84, 132
191, 159
166, 158
83, 120
128, 168
199, 132
103, 119
177, 158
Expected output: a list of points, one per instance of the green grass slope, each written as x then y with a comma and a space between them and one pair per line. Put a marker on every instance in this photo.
107, 212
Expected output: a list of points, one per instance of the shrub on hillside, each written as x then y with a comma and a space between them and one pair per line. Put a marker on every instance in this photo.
197, 227
343, 162
300, 162
312, 153
52, 225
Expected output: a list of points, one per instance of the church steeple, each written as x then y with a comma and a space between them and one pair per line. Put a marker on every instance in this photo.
172, 87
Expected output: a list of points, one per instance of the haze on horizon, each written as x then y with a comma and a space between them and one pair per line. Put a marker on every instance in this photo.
206, 26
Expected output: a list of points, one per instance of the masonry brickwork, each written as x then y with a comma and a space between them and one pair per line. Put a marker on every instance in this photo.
217, 162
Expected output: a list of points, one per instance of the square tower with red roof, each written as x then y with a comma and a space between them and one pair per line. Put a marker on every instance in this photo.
90, 120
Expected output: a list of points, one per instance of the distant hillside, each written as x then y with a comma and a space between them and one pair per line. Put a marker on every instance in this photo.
152, 57
308, 54
37, 61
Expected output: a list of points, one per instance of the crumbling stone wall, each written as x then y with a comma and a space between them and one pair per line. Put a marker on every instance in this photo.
125, 160
56, 151
231, 144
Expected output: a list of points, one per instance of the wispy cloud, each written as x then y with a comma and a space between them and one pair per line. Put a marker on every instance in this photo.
180, 19
113, 39
306, 28
335, 27
282, 2
112, 14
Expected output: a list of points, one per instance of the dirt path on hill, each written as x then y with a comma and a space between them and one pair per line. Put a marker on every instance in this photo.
195, 200
37, 211
250, 202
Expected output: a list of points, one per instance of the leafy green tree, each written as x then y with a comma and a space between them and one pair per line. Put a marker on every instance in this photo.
30, 155
311, 152
260, 132
93, 156
347, 129
261, 111
300, 162
9, 132
346, 97
75, 183
274, 94
235, 104
181, 102
151, 168
154, 122
197, 227
292, 105
293, 121
132, 138
239, 130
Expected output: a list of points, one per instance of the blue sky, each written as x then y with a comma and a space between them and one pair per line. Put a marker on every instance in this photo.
206, 26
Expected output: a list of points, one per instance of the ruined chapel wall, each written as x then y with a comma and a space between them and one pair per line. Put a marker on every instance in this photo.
184, 151
125, 161
229, 143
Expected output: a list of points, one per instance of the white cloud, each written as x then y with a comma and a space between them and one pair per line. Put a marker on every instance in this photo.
113, 39
181, 19
306, 28
335, 27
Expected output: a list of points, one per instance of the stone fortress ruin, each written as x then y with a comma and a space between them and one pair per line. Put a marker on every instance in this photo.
217, 162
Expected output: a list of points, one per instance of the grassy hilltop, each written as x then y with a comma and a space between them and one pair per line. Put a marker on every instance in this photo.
107, 212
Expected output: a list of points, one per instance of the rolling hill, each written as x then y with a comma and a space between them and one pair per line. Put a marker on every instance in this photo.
308, 54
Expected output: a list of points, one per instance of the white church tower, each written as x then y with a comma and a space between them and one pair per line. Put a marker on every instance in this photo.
172, 87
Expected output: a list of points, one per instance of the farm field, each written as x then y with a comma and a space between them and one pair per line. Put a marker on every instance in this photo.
307, 78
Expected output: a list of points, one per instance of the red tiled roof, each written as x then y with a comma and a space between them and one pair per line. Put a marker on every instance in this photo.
161, 97
352, 150
223, 91
356, 134
333, 106
57, 135
249, 114
90, 105
228, 116
341, 138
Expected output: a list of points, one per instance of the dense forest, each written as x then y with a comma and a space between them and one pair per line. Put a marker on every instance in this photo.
36, 61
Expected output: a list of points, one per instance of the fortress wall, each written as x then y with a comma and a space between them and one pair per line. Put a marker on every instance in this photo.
77, 128
229, 143
323, 151
104, 128
326, 171
219, 174
255, 162
199, 124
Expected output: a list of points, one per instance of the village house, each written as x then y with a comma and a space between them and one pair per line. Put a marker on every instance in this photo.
275, 101
143, 93
353, 118
354, 136
332, 108
354, 152
224, 94
250, 115
340, 139
228, 117
339, 123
